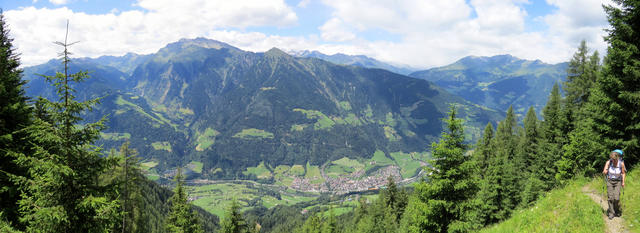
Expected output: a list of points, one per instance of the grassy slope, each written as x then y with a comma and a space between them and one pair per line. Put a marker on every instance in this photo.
631, 201
561, 210
568, 210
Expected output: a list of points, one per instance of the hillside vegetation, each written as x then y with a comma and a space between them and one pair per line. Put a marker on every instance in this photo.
569, 209
562, 210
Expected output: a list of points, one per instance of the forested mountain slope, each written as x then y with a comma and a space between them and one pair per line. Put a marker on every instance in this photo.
204, 101
499, 81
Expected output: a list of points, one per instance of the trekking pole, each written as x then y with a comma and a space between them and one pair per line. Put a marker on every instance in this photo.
621, 202
604, 187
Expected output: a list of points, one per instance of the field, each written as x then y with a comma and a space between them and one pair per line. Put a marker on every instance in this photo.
253, 133
260, 171
149, 171
409, 166
115, 136
216, 198
195, 166
161, 146
206, 139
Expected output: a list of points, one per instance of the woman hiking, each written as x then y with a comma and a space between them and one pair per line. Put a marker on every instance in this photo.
615, 172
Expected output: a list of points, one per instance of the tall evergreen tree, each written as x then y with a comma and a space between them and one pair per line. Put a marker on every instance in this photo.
500, 187
615, 100
528, 149
582, 73
312, 225
554, 130
14, 116
394, 199
125, 176
61, 192
506, 142
233, 222
443, 203
181, 219
483, 150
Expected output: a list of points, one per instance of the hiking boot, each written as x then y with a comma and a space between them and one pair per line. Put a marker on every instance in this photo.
610, 217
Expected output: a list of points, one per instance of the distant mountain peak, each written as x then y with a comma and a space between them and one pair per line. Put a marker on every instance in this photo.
200, 42
354, 60
276, 52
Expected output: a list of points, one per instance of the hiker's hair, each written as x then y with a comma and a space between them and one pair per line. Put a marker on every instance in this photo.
614, 156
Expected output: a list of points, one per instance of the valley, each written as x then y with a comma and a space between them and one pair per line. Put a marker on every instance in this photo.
290, 185
271, 129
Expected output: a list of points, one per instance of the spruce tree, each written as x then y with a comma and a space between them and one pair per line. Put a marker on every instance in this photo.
528, 149
14, 116
483, 150
61, 192
554, 129
505, 142
581, 75
615, 100
181, 219
443, 203
127, 180
233, 222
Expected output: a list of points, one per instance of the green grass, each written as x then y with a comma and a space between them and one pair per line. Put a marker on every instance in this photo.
347, 162
261, 171
159, 118
297, 170
378, 160
195, 166
352, 119
345, 105
253, 133
161, 146
334, 171
561, 210
148, 165
215, 198
390, 121
186, 111
206, 139
408, 165
313, 174
323, 122
115, 136
296, 127
391, 134
631, 201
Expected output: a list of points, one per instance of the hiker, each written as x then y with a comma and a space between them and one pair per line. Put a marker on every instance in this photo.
615, 172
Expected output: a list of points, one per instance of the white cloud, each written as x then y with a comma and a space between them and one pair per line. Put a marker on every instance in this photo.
303, 3
426, 33
434, 33
57, 2
335, 30
572, 24
140, 31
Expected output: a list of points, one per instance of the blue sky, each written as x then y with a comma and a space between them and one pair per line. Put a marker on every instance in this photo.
416, 33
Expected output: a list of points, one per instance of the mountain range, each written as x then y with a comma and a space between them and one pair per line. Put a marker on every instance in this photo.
218, 110
498, 82
355, 60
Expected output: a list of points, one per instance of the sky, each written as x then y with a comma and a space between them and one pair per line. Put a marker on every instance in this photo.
415, 33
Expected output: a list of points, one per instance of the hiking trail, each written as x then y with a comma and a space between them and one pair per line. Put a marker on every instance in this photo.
614, 225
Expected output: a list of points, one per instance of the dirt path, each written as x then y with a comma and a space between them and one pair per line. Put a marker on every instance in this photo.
614, 225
